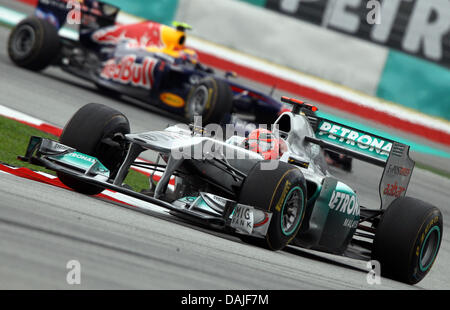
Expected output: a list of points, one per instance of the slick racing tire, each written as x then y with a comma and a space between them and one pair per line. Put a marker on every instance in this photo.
87, 131
33, 44
281, 191
407, 239
211, 98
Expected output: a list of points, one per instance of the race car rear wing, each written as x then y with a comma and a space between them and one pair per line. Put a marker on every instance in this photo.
391, 155
88, 14
351, 141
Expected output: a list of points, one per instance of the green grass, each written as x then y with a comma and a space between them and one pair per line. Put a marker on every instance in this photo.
3, 24
14, 137
433, 170
137, 180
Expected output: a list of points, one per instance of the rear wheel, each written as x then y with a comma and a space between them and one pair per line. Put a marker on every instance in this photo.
211, 99
407, 239
93, 130
281, 191
33, 44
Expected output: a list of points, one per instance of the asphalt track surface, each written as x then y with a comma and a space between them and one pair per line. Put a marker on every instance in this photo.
43, 227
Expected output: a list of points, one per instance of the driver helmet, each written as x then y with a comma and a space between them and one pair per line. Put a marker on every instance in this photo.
264, 142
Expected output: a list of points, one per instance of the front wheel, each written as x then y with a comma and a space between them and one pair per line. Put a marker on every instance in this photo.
33, 44
407, 239
87, 131
281, 191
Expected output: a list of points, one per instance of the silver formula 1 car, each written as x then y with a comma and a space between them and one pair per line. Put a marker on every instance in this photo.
275, 202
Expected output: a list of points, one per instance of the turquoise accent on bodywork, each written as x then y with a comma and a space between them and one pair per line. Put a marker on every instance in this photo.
338, 203
300, 217
416, 147
416, 83
82, 161
342, 187
422, 268
313, 198
198, 202
161, 11
261, 3
351, 138
188, 199
328, 227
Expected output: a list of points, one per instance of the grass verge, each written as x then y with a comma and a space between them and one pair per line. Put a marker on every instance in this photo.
433, 170
14, 137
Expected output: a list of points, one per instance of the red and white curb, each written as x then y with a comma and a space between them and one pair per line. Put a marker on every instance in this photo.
30, 121
107, 194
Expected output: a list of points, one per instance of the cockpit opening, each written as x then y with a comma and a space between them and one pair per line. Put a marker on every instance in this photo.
181, 41
284, 123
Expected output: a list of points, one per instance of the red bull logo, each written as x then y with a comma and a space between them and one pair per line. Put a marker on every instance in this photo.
128, 71
144, 34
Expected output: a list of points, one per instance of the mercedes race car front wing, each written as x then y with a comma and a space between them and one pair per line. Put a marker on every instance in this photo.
206, 208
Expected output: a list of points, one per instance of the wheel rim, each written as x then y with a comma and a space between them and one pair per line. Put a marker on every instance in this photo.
23, 40
429, 249
292, 210
198, 100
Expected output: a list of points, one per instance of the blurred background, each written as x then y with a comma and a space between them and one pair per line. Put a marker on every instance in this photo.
398, 50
